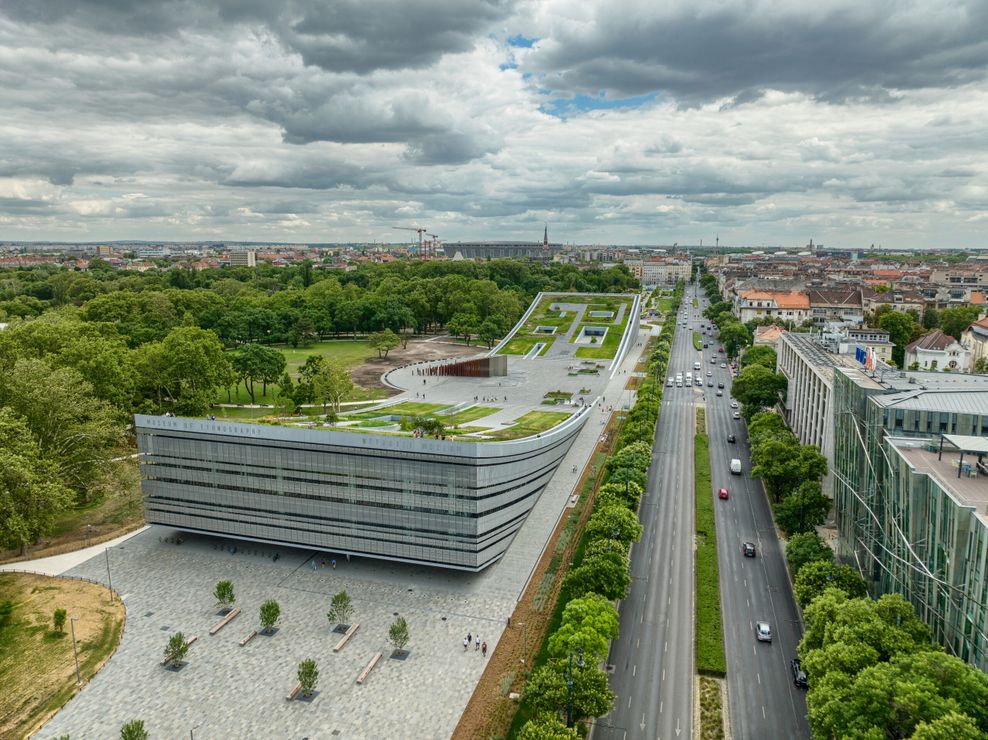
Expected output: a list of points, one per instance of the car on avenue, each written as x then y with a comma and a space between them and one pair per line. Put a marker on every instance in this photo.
720, 393
722, 494
763, 632
709, 373
669, 382
737, 414
723, 366
748, 549
798, 674
710, 384
720, 385
713, 360
731, 438
734, 404
720, 349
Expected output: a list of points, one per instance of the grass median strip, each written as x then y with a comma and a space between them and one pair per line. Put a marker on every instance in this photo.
709, 631
697, 341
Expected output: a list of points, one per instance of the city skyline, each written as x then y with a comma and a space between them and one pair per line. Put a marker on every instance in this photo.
756, 123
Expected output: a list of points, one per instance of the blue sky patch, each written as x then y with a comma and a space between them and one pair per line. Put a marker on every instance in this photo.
565, 107
521, 41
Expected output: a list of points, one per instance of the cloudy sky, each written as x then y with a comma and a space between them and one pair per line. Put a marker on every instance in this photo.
615, 121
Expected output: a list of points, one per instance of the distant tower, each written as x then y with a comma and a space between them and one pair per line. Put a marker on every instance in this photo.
717, 245
545, 244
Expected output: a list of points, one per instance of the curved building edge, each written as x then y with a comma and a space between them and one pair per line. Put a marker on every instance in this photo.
439, 503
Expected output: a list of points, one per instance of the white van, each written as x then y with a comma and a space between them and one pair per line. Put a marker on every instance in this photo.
696, 365
735, 466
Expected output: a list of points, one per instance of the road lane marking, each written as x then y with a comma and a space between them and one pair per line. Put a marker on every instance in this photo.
634, 670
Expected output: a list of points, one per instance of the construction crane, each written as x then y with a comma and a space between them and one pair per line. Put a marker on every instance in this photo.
420, 231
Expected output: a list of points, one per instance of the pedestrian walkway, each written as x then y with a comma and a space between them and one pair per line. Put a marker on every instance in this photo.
56, 565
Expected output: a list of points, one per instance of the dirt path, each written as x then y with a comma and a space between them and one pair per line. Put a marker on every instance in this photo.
369, 374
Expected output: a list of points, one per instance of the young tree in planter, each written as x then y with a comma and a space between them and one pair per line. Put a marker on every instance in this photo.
308, 674
270, 612
58, 620
134, 730
224, 594
176, 648
398, 634
340, 609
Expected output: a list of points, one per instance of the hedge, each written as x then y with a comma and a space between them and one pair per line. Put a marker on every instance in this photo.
709, 629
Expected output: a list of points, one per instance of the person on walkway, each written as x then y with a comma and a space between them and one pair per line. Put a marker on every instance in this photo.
334, 563
478, 643
466, 641
483, 649
469, 638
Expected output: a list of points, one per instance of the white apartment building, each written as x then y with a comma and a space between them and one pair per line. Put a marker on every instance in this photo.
660, 272
938, 351
244, 258
759, 304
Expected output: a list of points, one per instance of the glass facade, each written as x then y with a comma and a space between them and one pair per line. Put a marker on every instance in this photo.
449, 504
901, 527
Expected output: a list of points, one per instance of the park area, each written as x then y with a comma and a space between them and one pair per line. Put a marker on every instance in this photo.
37, 668
356, 356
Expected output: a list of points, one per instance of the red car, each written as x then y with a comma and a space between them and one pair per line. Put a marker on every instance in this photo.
722, 493
721, 349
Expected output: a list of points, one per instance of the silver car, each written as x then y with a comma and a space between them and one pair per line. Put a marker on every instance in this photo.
763, 632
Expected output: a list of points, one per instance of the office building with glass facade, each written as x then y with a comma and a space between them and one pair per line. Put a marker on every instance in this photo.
906, 525
444, 503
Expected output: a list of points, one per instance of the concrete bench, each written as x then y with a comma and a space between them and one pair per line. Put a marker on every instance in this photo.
251, 636
346, 636
225, 621
370, 667
294, 692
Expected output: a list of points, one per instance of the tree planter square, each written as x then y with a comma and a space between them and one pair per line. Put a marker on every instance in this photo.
265, 633
341, 629
222, 612
307, 699
176, 668
400, 654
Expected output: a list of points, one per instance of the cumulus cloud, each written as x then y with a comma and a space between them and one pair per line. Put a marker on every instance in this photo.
625, 121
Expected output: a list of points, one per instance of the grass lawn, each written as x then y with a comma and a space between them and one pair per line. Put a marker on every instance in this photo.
413, 408
531, 423
467, 415
606, 349
37, 671
522, 345
349, 353
709, 630
697, 341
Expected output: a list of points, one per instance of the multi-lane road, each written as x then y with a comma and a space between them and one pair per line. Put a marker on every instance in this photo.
763, 702
653, 657
652, 661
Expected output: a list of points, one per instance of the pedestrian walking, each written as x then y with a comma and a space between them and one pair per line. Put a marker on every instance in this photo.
469, 638
478, 643
483, 649
466, 641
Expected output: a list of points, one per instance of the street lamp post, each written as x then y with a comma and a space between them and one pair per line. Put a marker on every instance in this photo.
75, 651
569, 685
109, 583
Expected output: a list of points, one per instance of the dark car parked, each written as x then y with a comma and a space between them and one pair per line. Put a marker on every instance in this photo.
731, 438
798, 674
748, 549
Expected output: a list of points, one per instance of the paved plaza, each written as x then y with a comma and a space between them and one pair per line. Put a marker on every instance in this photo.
228, 691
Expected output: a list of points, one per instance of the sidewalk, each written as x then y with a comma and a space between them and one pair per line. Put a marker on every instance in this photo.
55, 565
